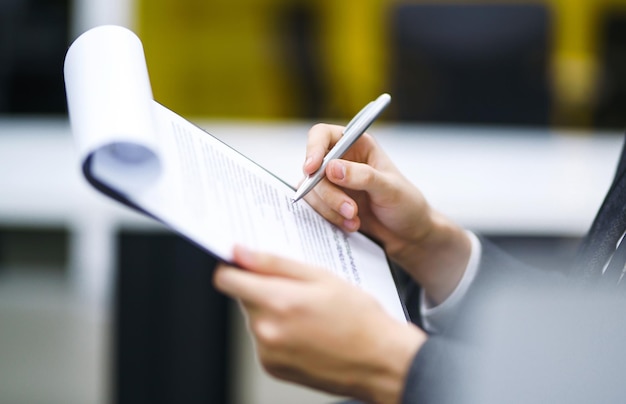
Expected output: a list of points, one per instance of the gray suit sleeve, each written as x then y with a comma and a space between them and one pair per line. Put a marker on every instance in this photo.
439, 371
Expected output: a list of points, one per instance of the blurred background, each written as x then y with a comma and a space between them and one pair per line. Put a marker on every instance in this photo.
100, 305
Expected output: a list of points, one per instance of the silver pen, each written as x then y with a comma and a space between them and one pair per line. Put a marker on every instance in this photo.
355, 128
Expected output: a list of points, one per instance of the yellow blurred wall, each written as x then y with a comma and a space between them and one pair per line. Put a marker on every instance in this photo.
225, 59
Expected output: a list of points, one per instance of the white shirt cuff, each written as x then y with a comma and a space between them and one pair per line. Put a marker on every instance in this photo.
435, 318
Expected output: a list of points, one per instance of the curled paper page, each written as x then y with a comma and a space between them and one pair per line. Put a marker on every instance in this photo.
110, 105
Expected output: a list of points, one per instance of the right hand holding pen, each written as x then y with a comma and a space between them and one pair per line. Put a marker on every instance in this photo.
365, 191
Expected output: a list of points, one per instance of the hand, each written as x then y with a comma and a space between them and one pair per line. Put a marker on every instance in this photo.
313, 328
365, 191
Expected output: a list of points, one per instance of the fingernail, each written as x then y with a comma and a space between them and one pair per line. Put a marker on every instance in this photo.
346, 210
350, 224
339, 170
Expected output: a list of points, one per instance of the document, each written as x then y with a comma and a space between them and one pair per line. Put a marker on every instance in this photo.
144, 155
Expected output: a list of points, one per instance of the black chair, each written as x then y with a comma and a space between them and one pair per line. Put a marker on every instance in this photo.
171, 336
34, 36
9, 12
610, 110
471, 63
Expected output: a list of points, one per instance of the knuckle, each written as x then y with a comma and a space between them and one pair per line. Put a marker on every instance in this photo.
369, 138
286, 308
319, 127
368, 175
324, 208
267, 333
325, 192
323, 131
266, 260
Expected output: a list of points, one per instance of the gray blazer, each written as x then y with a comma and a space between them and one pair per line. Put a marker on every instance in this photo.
523, 335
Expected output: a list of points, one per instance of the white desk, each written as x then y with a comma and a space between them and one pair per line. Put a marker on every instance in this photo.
501, 181
498, 181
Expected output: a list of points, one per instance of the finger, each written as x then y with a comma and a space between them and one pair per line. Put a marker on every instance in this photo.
253, 290
274, 265
246, 286
359, 177
334, 205
320, 139
267, 277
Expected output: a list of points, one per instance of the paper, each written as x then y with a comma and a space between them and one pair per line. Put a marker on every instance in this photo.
145, 154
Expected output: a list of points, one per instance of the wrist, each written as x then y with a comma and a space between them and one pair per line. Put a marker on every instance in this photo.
437, 259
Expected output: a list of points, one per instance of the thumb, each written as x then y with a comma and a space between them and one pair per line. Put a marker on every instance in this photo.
274, 265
